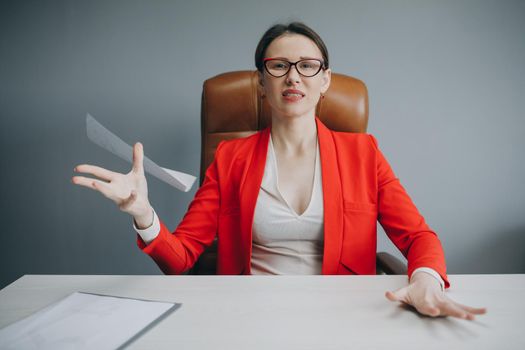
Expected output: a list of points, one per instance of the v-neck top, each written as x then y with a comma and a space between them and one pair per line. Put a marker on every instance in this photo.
284, 242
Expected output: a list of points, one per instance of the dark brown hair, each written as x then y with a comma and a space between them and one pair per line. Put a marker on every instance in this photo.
293, 28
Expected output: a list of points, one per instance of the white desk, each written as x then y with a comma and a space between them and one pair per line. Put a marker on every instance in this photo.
293, 312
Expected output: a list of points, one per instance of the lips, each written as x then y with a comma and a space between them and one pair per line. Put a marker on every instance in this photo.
292, 95
293, 92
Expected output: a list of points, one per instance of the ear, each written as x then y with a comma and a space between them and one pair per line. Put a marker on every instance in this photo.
260, 83
327, 78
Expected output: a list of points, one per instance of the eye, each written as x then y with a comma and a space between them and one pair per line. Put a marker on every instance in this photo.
309, 65
279, 65
306, 65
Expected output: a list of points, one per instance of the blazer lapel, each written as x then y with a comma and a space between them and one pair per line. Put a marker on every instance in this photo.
249, 192
332, 200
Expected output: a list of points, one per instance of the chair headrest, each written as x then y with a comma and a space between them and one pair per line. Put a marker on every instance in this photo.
232, 107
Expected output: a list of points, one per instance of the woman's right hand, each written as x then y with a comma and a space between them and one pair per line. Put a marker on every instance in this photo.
128, 191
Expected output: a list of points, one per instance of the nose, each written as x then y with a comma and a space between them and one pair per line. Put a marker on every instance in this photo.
293, 75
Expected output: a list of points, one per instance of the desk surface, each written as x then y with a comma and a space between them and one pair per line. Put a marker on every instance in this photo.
293, 312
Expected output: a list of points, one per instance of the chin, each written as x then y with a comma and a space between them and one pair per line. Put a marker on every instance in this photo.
292, 116
297, 112
292, 110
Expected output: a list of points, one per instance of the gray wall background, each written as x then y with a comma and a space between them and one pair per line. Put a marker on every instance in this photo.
446, 81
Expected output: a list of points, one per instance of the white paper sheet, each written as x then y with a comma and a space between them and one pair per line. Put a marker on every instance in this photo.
101, 136
85, 321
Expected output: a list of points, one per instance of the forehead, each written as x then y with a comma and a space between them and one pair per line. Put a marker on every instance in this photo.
293, 46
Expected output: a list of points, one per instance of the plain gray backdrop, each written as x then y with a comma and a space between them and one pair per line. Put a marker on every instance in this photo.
446, 81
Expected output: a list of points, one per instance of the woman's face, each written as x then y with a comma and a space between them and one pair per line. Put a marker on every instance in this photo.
293, 95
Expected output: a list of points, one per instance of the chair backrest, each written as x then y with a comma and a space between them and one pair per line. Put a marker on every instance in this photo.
232, 107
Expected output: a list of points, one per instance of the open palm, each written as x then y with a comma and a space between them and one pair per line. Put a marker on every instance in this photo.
128, 191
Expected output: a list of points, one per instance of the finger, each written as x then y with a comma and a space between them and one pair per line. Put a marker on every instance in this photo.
138, 158
94, 184
432, 311
85, 181
448, 308
128, 202
428, 310
104, 188
398, 295
97, 171
472, 310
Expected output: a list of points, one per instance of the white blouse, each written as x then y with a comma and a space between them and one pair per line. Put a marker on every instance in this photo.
285, 243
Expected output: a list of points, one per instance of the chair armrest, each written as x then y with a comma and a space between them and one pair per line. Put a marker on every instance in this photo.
390, 265
207, 262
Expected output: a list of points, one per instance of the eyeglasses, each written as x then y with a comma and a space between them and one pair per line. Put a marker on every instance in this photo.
278, 67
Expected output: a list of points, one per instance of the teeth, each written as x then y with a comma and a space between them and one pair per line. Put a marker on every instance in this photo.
287, 94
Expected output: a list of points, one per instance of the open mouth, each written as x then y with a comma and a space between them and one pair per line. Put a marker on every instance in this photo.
293, 95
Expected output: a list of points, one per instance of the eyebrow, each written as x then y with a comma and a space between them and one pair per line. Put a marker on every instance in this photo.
301, 57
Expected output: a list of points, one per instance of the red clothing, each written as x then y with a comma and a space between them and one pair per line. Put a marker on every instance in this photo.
359, 188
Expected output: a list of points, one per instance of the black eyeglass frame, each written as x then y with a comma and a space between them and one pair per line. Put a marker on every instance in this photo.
321, 66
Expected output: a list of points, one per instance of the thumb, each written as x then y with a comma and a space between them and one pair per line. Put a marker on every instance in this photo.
128, 202
399, 295
138, 158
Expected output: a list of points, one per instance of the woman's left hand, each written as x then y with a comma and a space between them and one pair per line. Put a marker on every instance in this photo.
425, 295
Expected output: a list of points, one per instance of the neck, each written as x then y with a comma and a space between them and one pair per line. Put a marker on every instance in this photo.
295, 135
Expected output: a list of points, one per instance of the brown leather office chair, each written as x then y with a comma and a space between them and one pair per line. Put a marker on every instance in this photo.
232, 107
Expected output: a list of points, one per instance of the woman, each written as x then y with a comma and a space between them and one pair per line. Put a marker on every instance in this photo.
295, 198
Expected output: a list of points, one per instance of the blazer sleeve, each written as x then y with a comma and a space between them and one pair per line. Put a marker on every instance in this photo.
176, 252
403, 223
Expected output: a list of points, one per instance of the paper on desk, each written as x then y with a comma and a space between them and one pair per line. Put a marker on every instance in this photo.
85, 321
101, 136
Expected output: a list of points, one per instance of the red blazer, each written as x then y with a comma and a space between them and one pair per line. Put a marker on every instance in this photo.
359, 188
